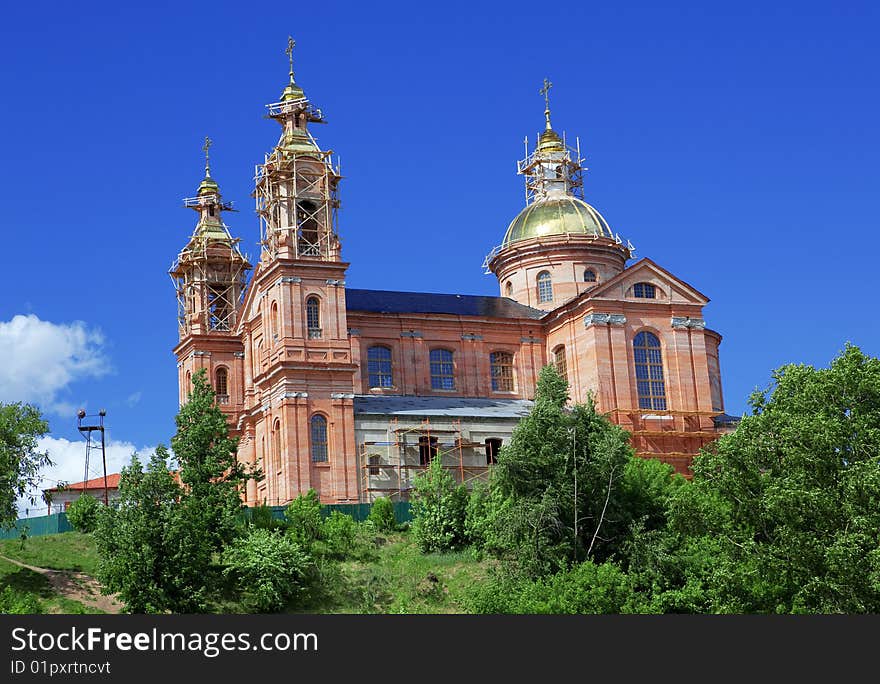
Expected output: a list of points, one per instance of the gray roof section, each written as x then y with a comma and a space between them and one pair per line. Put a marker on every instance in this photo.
387, 301
441, 406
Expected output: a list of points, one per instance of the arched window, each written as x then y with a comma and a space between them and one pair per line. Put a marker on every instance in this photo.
509, 289
319, 438
545, 287
644, 291
189, 383
276, 445
559, 361
221, 385
313, 318
502, 371
589, 276
379, 366
649, 372
442, 370
276, 331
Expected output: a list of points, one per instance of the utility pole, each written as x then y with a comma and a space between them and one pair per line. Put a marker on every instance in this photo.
86, 430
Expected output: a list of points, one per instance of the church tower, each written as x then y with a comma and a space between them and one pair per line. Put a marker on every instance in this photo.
210, 275
298, 361
558, 246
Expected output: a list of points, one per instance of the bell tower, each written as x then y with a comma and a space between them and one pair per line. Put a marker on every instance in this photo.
296, 185
298, 362
210, 276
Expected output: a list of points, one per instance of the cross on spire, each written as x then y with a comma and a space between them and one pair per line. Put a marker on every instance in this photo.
206, 147
291, 43
545, 91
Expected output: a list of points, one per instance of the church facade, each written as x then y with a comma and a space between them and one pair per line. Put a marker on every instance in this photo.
353, 392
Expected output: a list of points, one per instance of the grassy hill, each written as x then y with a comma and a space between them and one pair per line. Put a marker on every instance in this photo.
50, 574
398, 578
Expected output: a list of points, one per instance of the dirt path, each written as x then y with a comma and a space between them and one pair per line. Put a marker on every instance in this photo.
76, 586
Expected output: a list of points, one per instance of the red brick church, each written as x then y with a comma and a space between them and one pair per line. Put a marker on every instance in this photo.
352, 392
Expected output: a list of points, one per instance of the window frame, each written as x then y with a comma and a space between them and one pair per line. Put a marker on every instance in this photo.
644, 288
651, 387
592, 272
502, 381
438, 379
381, 373
556, 354
313, 315
319, 449
544, 283
222, 396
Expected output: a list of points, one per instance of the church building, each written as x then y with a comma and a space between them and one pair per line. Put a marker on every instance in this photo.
353, 392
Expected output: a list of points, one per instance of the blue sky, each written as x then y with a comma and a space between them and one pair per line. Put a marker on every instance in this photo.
735, 144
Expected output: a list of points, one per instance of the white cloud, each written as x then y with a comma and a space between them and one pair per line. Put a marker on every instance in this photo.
40, 359
68, 458
134, 398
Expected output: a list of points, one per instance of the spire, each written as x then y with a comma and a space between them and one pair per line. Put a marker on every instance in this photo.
548, 140
206, 147
545, 91
552, 170
208, 186
292, 91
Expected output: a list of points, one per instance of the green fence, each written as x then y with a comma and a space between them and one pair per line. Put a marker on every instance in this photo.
56, 523
358, 511
36, 527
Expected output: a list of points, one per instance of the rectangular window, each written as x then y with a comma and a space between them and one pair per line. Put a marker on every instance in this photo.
379, 366
374, 464
427, 450
442, 370
644, 291
493, 446
502, 371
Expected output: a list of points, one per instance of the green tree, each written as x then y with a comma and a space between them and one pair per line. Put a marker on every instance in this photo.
160, 548
136, 547
783, 514
21, 425
439, 507
556, 490
209, 470
304, 521
83, 513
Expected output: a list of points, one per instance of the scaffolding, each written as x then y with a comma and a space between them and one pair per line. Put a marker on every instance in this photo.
389, 467
296, 188
666, 439
209, 274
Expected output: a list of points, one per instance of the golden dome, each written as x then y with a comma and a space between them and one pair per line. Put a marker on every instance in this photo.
564, 215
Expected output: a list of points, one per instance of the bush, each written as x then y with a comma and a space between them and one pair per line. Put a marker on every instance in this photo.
18, 603
340, 535
303, 516
262, 518
83, 513
382, 515
438, 510
587, 588
268, 569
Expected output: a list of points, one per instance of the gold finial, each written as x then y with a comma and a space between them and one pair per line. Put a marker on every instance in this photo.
206, 147
545, 91
289, 52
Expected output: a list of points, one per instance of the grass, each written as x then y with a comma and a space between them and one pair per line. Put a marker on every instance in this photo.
392, 577
401, 579
27, 591
66, 551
